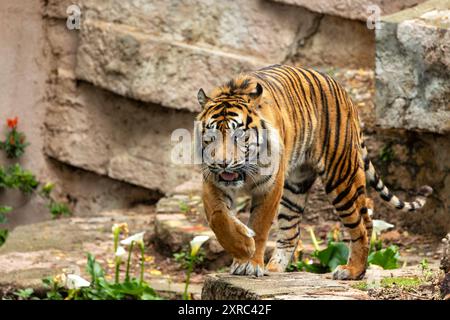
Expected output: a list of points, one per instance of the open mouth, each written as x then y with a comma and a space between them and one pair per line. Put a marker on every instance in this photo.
231, 176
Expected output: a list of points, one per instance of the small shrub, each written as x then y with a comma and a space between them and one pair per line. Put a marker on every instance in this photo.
15, 141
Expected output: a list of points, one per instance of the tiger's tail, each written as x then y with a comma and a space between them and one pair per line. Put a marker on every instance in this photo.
375, 181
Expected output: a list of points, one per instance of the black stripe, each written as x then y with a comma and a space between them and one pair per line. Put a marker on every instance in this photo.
291, 205
386, 197
376, 180
366, 163
300, 188
287, 217
400, 205
353, 225
350, 203
287, 240
291, 226
345, 215
357, 239
342, 195
330, 186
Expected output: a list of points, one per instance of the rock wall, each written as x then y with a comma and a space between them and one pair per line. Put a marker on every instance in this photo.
123, 82
413, 93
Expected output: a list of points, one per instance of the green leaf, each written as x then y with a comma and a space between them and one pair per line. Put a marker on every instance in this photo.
3, 236
58, 209
94, 269
386, 258
3, 211
332, 256
24, 293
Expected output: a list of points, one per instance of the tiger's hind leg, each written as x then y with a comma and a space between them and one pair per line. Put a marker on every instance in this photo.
349, 200
291, 208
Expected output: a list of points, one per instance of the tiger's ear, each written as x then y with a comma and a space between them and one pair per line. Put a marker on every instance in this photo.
202, 97
256, 94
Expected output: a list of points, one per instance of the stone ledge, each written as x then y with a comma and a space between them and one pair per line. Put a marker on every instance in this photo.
299, 285
82, 130
142, 67
279, 286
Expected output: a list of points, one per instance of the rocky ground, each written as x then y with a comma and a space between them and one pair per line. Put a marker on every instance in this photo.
49, 248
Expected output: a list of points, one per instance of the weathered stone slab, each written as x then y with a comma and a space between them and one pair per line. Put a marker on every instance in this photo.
150, 52
300, 285
279, 286
151, 69
113, 136
262, 29
355, 9
413, 69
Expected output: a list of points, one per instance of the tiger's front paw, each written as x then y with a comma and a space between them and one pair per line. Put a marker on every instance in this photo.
347, 272
247, 268
234, 236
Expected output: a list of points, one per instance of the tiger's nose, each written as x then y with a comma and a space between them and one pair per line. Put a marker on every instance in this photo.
223, 165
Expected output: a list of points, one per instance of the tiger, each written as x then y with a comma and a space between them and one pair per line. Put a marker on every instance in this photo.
313, 128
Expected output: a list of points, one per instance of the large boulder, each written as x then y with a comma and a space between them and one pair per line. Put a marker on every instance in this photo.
413, 68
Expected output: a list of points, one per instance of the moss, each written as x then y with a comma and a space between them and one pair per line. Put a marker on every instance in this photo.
403, 282
400, 282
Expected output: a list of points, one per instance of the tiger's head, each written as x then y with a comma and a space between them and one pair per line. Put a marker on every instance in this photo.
231, 133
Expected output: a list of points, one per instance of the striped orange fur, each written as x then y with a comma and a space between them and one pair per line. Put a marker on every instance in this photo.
314, 128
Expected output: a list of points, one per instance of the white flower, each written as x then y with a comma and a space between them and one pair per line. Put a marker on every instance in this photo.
380, 225
115, 228
74, 281
196, 243
137, 238
120, 252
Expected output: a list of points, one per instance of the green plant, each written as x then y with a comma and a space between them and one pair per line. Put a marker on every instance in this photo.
184, 258
336, 253
3, 235
184, 207
387, 153
190, 261
14, 144
58, 209
427, 273
3, 211
74, 287
24, 293
3, 232
16, 177
386, 258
